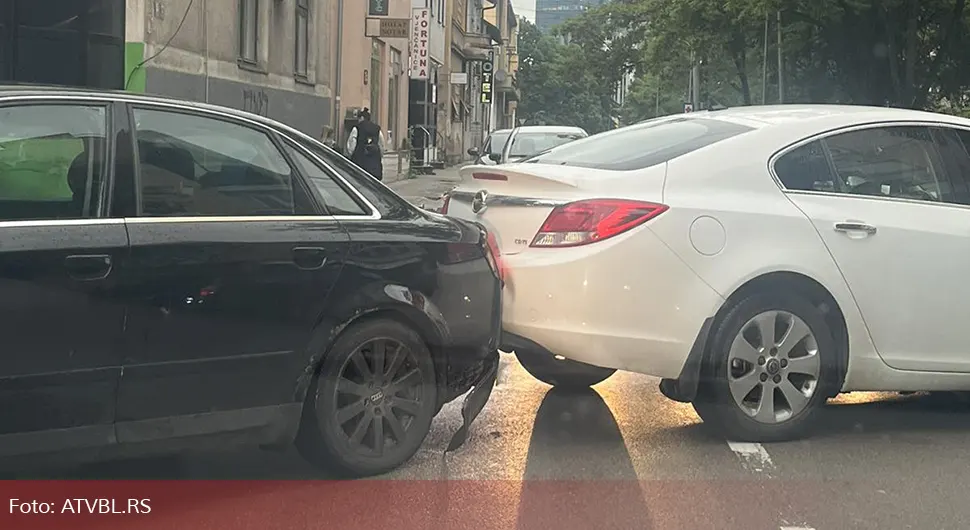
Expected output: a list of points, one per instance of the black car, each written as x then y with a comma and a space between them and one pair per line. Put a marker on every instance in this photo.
173, 274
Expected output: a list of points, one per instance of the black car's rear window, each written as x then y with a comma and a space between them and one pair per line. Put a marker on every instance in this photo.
642, 145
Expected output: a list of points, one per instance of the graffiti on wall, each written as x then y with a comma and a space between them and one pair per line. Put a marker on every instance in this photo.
256, 101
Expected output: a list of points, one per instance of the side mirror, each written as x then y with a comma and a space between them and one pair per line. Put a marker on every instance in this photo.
473, 151
495, 157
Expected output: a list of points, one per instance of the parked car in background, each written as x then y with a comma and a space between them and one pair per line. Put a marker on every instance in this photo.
494, 143
176, 273
829, 258
531, 140
512, 145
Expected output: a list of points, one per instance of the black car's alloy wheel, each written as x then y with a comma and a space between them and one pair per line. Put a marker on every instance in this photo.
373, 401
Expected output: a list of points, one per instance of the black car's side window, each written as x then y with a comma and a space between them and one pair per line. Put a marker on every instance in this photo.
336, 199
191, 165
52, 161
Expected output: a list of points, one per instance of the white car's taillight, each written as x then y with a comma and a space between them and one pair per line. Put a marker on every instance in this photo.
588, 221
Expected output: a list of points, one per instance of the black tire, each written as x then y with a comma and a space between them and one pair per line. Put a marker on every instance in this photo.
327, 443
715, 403
562, 373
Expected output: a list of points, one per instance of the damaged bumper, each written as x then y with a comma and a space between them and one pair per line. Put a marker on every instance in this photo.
476, 399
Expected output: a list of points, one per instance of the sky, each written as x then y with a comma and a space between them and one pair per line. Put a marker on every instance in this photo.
525, 8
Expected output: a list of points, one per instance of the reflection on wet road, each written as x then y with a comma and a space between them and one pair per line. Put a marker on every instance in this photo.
622, 456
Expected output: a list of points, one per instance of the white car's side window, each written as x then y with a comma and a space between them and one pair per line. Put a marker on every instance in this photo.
899, 162
806, 168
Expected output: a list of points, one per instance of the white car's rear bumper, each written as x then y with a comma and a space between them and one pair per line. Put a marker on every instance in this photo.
627, 303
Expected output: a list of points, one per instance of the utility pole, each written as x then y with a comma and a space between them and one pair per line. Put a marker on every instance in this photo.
781, 65
695, 82
764, 64
337, 121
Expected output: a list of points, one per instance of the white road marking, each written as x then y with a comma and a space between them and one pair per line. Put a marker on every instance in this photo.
753, 457
796, 528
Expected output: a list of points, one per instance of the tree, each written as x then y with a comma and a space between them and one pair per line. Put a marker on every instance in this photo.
557, 84
908, 53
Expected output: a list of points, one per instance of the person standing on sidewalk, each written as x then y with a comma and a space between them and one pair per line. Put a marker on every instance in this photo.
366, 145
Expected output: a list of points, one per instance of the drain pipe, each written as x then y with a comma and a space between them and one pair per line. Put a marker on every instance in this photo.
336, 78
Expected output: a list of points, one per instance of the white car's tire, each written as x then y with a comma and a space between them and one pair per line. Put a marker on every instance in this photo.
561, 373
765, 390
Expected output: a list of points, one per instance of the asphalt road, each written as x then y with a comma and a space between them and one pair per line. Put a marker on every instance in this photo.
623, 456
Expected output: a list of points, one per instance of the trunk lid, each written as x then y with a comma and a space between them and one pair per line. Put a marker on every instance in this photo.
519, 197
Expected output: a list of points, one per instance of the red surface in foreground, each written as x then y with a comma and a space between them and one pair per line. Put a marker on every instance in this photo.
386, 504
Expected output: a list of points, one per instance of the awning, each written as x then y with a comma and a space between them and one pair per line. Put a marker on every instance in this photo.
492, 31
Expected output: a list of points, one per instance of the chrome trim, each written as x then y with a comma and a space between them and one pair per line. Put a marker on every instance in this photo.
62, 222
507, 200
855, 226
230, 219
876, 198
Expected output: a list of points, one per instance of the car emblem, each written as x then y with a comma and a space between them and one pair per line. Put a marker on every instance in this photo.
377, 397
479, 203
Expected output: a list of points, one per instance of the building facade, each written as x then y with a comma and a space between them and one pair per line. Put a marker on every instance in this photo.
371, 66
63, 42
551, 13
428, 79
469, 47
269, 57
501, 112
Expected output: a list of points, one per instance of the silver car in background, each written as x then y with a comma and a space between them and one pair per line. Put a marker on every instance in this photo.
531, 140
503, 146
494, 143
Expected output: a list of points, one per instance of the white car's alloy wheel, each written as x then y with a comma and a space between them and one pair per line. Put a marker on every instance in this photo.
774, 366
773, 363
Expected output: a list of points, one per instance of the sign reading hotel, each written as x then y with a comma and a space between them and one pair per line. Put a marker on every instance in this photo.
487, 70
420, 38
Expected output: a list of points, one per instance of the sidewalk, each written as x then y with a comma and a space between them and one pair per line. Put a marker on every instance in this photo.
425, 190
390, 167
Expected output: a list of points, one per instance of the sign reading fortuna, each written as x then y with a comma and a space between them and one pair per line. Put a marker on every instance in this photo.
420, 64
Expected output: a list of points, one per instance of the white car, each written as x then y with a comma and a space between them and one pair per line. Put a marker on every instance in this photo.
512, 145
759, 260
526, 141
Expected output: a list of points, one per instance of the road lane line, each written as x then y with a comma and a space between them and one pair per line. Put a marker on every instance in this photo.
796, 528
753, 457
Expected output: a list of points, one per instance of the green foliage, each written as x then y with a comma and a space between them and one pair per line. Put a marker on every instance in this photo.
557, 84
907, 53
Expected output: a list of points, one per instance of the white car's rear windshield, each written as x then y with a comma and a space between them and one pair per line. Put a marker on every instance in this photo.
642, 145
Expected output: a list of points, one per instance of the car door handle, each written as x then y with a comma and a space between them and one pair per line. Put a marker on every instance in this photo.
88, 267
310, 258
855, 226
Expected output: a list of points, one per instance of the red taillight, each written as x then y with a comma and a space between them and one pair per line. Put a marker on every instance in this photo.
583, 222
489, 176
494, 256
444, 206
